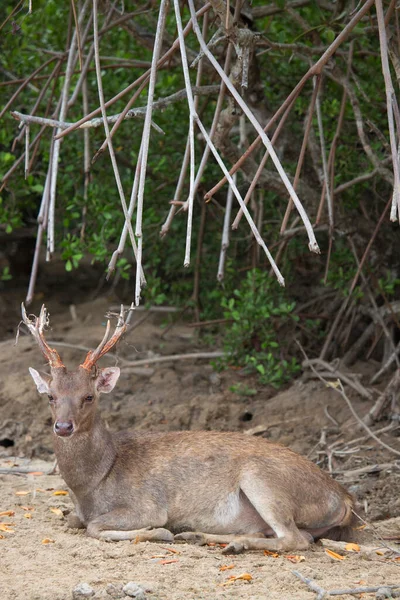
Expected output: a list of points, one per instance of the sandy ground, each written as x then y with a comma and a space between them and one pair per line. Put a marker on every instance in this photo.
167, 396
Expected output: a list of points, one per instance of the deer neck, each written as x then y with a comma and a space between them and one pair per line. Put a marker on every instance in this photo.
85, 458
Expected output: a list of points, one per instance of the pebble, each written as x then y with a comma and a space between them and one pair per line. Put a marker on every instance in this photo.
133, 590
82, 590
114, 590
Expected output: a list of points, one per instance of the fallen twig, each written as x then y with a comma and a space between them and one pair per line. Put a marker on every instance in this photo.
338, 387
322, 593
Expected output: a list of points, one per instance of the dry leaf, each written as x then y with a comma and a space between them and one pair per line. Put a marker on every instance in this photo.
352, 548
22, 493
36, 473
27, 508
245, 576
380, 553
172, 550
226, 567
41, 490
360, 528
233, 578
2, 537
334, 555
48, 541
157, 556
57, 511
295, 558
169, 561
28, 515
5, 527
7, 513
269, 553
333, 384
60, 493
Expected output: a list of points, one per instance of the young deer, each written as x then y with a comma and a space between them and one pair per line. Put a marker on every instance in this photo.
236, 489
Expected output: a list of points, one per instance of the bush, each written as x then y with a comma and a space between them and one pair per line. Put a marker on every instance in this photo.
256, 309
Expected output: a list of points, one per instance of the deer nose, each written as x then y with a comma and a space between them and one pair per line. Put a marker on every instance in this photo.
63, 429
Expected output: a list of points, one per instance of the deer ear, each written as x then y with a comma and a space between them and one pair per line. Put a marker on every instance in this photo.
106, 379
42, 381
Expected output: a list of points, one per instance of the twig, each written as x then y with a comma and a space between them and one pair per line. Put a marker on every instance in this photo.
332, 371
338, 387
324, 163
321, 592
173, 357
317, 82
375, 468
375, 306
391, 391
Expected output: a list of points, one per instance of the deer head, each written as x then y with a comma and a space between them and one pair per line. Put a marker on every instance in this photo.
73, 395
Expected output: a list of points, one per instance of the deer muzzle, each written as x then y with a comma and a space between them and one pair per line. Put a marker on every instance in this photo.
63, 429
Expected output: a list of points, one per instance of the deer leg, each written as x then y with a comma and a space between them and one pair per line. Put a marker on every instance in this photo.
119, 525
290, 540
277, 514
201, 539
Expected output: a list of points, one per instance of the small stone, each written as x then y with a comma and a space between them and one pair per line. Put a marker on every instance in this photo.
215, 379
82, 590
115, 590
133, 590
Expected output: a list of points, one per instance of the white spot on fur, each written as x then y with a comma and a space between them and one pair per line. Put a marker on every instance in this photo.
227, 510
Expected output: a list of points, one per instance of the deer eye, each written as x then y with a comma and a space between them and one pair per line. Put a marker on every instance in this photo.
88, 399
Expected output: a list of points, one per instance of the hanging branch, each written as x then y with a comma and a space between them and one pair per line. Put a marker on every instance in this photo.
107, 132
312, 241
324, 162
137, 82
146, 139
390, 94
316, 69
225, 171
192, 113
54, 164
26, 151
225, 232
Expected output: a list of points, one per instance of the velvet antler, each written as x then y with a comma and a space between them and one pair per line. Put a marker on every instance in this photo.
105, 346
36, 327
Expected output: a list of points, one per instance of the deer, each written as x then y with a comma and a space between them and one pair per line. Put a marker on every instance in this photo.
195, 486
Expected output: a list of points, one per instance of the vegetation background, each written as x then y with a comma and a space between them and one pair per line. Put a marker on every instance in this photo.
259, 318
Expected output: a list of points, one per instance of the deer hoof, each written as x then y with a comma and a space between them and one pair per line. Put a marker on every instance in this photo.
163, 535
234, 548
74, 522
192, 537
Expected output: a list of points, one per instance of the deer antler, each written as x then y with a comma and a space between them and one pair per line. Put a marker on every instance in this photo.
36, 327
105, 346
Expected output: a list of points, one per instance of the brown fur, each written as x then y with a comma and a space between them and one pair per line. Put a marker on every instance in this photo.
223, 486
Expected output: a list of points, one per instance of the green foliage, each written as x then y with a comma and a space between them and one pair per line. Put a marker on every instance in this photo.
389, 285
242, 389
6, 275
256, 308
88, 225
